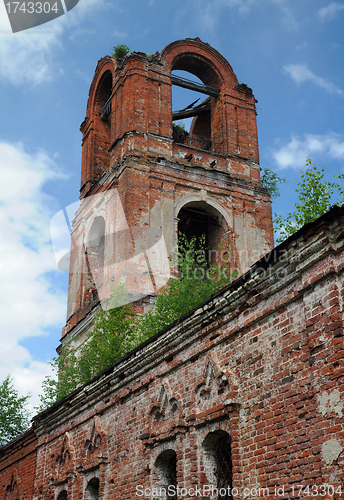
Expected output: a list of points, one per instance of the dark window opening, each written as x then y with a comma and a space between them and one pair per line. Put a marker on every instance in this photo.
102, 125
223, 472
166, 471
218, 463
196, 221
63, 495
92, 490
104, 95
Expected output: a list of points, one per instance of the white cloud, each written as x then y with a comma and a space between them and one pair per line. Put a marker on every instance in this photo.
210, 11
119, 34
27, 57
29, 300
301, 74
295, 153
330, 12
288, 20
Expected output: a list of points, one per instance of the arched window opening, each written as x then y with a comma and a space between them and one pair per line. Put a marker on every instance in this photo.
103, 97
94, 253
217, 461
102, 125
63, 495
197, 219
96, 237
189, 102
166, 475
92, 490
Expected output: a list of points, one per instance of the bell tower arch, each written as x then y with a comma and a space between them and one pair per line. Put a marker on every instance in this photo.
149, 182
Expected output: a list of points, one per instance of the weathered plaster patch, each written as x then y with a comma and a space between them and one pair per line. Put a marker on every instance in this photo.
330, 402
334, 478
203, 194
331, 451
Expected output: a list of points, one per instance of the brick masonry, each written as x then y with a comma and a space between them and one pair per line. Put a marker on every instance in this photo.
18, 463
262, 361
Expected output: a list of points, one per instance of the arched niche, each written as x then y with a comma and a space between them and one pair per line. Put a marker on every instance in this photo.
92, 489
165, 474
217, 462
102, 123
94, 254
201, 128
62, 495
96, 237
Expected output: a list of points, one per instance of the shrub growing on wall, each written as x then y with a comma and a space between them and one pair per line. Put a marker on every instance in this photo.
118, 330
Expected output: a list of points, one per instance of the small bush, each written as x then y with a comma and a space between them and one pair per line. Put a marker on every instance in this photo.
120, 51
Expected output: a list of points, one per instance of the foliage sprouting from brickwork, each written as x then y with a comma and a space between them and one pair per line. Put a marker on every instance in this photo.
118, 330
120, 51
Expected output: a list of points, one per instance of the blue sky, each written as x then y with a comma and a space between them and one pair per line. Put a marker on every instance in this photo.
290, 53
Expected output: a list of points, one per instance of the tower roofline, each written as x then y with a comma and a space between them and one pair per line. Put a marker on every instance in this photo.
177, 55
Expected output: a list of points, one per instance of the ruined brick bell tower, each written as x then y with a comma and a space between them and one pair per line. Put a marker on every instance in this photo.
143, 181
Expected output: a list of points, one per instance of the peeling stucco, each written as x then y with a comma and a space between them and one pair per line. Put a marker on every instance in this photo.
331, 450
329, 403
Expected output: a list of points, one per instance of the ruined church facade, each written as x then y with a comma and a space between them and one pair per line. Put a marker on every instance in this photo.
243, 396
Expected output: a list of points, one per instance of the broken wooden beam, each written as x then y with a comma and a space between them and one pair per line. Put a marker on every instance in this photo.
188, 84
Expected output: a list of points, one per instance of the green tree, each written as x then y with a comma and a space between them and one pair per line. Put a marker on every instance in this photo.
270, 180
14, 414
316, 196
120, 51
118, 330
197, 280
106, 343
49, 392
179, 132
110, 336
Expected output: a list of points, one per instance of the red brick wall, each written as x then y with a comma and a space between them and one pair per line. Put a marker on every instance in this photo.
96, 133
18, 468
261, 361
